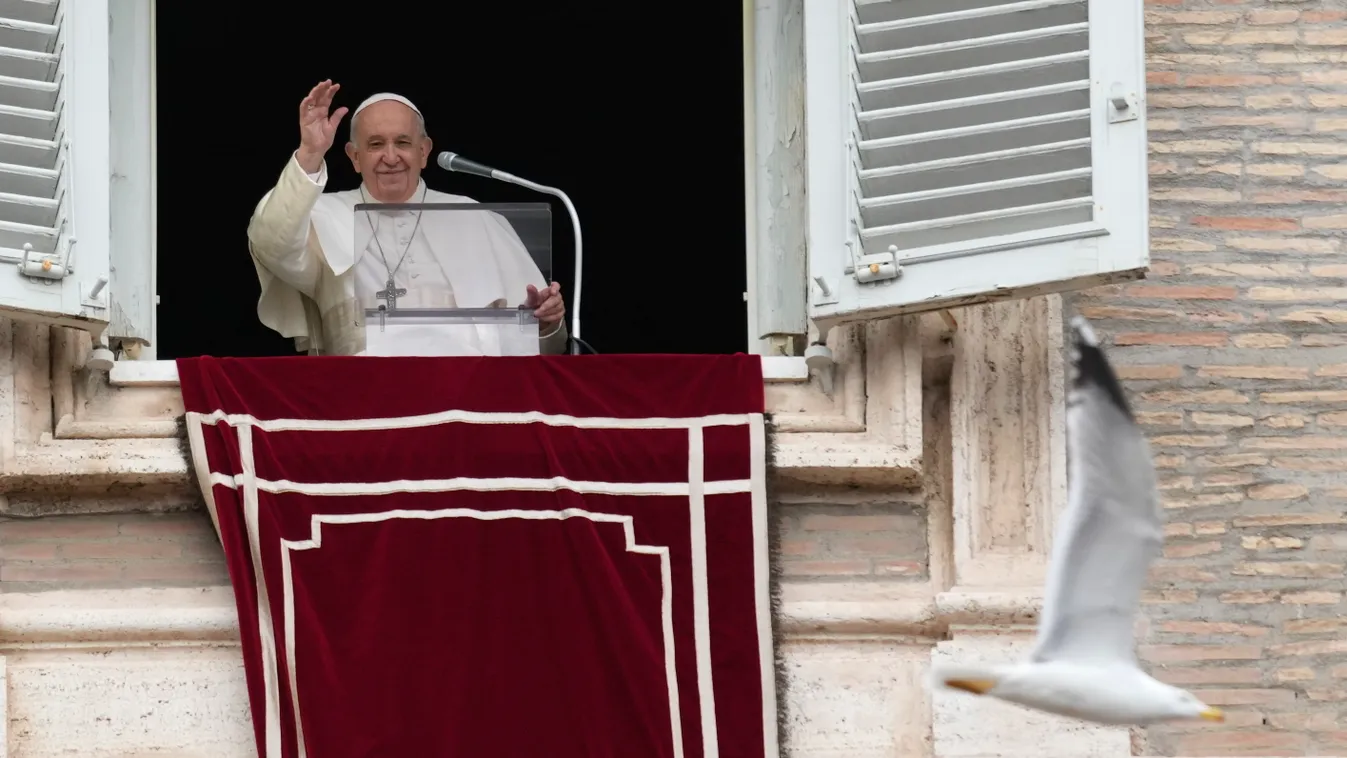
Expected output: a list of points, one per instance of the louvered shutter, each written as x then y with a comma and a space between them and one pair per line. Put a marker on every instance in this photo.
971, 150
54, 148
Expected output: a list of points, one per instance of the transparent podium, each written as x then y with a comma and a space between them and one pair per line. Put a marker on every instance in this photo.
450, 279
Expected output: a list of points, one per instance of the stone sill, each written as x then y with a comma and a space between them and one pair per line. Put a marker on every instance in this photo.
207, 615
823, 437
775, 368
55, 645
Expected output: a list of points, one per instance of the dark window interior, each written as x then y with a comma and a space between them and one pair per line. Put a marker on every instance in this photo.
638, 118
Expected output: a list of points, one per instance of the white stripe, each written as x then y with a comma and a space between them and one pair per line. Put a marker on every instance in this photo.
762, 582
467, 417
292, 668
196, 442
266, 630
666, 582
499, 484
701, 593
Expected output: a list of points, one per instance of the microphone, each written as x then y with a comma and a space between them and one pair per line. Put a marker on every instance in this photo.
457, 163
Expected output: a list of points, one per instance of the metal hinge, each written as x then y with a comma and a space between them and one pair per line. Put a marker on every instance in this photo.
94, 296
825, 292
1122, 104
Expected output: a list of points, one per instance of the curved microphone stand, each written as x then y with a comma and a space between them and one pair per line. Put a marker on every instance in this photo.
575, 226
455, 162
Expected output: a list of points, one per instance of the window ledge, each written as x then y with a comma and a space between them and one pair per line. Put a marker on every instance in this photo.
144, 374
784, 368
208, 614
775, 368
865, 430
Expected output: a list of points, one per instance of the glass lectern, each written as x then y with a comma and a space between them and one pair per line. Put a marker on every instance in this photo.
438, 279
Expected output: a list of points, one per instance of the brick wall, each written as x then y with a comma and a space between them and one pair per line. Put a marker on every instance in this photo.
1235, 350
131, 550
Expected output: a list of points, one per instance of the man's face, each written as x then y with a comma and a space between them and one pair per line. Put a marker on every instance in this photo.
391, 150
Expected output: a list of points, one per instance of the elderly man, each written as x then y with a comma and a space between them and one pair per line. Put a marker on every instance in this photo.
302, 239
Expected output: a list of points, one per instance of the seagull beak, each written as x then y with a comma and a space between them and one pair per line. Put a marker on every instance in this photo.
975, 686
1212, 714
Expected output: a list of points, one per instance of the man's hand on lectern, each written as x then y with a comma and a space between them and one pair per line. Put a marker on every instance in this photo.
547, 305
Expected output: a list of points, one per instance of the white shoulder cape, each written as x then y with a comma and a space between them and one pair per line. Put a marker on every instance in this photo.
486, 265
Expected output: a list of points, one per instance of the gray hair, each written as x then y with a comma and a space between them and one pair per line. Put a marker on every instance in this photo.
420, 123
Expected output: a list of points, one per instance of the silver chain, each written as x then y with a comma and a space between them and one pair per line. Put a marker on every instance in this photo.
393, 271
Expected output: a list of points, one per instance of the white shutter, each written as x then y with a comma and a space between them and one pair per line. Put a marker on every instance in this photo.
54, 146
969, 150
131, 253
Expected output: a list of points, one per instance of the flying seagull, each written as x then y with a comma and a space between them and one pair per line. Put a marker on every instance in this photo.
1084, 660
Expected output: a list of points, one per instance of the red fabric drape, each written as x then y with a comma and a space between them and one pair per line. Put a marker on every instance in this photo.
543, 556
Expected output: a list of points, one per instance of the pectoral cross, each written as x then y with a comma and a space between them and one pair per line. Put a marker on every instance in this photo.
390, 294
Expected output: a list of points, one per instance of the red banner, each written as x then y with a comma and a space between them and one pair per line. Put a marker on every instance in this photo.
492, 557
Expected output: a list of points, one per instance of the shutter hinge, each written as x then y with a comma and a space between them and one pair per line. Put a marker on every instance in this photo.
825, 291
95, 297
1122, 105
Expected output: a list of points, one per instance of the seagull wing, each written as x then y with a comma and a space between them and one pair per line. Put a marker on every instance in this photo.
1111, 531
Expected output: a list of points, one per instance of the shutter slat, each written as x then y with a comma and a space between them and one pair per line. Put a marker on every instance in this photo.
25, 93
950, 27
26, 180
25, 151
1028, 35
985, 110
970, 169
942, 77
1016, 182
34, 211
975, 130
886, 16
965, 160
32, 11
982, 140
27, 35
951, 224
974, 118
31, 168
987, 99
27, 122
13, 236
972, 203
28, 64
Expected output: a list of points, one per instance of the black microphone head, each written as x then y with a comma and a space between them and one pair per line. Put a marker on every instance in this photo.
445, 160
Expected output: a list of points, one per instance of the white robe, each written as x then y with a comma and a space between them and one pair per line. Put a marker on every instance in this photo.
303, 242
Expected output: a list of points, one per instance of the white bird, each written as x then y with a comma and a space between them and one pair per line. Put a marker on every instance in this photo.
1084, 662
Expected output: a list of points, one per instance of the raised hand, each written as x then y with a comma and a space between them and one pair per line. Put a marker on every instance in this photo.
318, 125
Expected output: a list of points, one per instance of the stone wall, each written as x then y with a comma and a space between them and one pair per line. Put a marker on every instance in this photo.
118, 627
1235, 352
850, 535
875, 535
110, 551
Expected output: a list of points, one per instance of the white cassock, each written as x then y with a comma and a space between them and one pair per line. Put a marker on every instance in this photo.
303, 242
